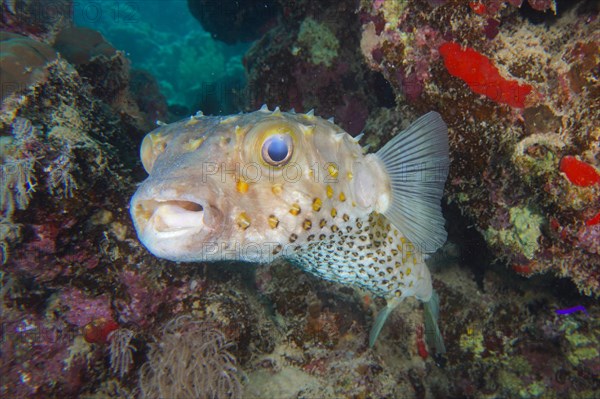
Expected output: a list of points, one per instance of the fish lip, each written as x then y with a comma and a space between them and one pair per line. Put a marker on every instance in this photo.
169, 217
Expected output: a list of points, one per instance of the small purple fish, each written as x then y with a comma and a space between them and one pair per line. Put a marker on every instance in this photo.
572, 310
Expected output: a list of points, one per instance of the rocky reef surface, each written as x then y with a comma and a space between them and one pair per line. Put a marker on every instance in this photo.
87, 312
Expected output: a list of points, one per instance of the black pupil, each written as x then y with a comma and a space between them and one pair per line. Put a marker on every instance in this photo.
277, 149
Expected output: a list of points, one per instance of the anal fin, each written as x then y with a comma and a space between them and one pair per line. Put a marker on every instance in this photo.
380, 320
433, 336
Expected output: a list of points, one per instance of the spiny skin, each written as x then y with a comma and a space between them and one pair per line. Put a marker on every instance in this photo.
210, 196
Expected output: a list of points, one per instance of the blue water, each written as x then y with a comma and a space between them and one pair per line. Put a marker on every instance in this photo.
194, 71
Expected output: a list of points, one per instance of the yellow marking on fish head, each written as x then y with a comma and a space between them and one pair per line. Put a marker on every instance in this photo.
243, 221
192, 122
273, 221
153, 145
277, 189
193, 144
241, 186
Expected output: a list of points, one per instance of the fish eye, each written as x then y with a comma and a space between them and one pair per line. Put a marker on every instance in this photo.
277, 150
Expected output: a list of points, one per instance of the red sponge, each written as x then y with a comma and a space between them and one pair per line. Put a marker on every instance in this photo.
482, 76
579, 172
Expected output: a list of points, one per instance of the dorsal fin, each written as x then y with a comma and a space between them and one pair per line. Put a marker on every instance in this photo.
417, 161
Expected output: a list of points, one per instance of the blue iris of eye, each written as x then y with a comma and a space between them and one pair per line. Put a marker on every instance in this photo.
277, 149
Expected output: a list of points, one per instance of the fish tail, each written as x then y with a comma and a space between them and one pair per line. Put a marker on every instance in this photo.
417, 162
433, 336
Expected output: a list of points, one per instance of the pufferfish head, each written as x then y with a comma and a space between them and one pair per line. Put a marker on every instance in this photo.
238, 187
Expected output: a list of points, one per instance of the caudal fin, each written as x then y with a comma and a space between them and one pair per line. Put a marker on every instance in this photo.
417, 163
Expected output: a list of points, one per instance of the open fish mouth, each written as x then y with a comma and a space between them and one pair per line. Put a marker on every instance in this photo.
169, 217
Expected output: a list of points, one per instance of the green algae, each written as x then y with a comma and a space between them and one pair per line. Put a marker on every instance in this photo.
523, 235
582, 347
393, 12
320, 41
514, 386
534, 168
472, 341
519, 365
534, 390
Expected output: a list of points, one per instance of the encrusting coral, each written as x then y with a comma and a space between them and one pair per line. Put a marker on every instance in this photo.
23, 61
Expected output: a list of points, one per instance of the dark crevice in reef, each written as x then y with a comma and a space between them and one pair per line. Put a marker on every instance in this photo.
473, 250
384, 91
562, 6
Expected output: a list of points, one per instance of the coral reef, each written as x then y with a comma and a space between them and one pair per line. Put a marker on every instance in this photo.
17, 170
108, 71
191, 360
23, 61
35, 18
318, 40
121, 351
308, 67
66, 161
540, 86
80, 45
